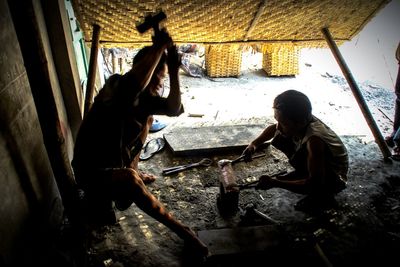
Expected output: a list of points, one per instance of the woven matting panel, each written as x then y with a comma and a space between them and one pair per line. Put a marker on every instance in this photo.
223, 21
223, 60
281, 59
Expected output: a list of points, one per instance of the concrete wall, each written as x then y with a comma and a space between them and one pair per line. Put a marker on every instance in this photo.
31, 207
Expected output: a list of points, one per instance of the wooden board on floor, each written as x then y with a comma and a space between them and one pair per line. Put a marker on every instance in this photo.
204, 140
249, 239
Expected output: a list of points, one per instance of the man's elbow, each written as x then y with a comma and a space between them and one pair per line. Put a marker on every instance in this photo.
175, 111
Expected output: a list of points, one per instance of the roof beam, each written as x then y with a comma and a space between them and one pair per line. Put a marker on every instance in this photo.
255, 19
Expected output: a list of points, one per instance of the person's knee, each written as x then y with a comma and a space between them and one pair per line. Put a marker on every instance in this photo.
125, 181
127, 185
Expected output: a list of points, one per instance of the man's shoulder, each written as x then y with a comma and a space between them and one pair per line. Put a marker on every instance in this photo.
111, 80
111, 88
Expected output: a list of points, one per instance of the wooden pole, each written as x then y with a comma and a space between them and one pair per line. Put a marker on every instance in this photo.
255, 19
121, 65
357, 94
114, 61
92, 68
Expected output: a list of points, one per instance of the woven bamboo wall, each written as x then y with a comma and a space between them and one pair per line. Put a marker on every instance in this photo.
206, 21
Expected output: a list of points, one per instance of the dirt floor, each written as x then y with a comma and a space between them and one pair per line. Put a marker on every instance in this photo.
363, 229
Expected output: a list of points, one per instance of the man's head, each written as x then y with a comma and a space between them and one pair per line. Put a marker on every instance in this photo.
156, 83
293, 111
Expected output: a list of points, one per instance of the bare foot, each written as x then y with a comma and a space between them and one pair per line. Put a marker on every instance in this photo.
147, 178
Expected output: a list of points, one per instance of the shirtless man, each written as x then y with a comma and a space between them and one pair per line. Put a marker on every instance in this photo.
112, 135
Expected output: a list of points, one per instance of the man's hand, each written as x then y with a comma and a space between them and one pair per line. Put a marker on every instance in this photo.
162, 39
248, 152
265, 182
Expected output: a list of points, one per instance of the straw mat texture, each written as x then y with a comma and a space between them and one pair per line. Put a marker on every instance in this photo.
223, 60
281, 27
226, 21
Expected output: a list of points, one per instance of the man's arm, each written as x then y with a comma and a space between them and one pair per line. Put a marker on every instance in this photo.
143, 70
295, 183
266, 135
315, 160
174, 96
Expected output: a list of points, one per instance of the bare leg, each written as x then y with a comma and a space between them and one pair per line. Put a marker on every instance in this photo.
147, 178
127, 183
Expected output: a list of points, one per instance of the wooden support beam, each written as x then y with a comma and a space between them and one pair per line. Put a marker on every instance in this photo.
62, 48
264, 41
357, 94
121, 65
94, 50
114, 61
255, 19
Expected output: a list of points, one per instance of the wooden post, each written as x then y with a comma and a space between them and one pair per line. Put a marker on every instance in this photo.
92, 68
357, 94
114, 61
121, 65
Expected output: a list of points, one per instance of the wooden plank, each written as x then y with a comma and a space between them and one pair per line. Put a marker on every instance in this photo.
229, 241
205, 140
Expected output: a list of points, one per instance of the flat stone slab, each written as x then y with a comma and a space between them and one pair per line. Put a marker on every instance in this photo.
187, 141
239, 240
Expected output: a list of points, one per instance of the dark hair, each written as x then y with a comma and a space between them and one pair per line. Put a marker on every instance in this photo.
144, 51
294, 105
